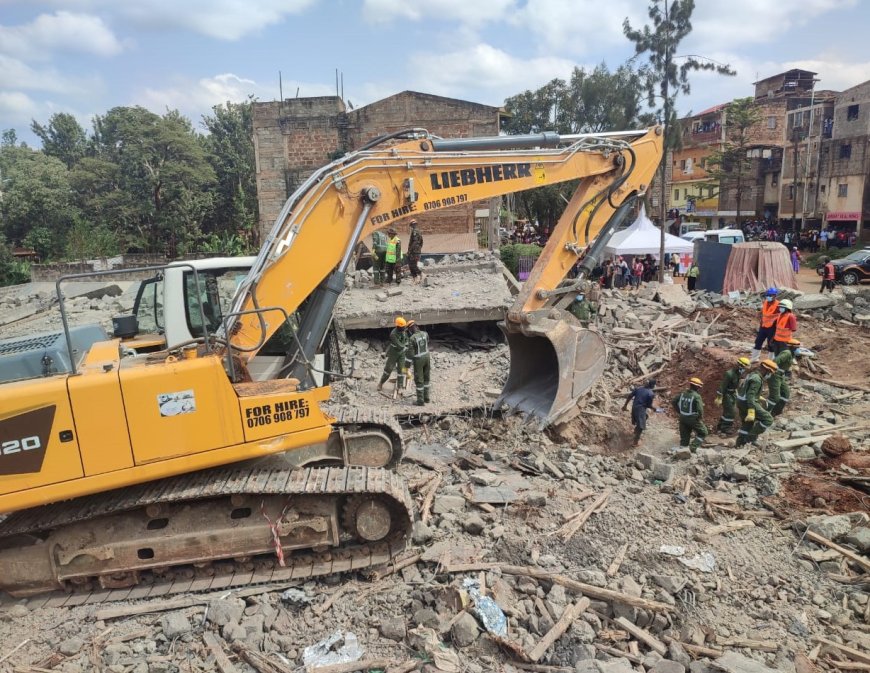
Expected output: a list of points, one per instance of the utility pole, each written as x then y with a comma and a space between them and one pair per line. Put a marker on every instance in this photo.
795, 135
809, 146
665, 123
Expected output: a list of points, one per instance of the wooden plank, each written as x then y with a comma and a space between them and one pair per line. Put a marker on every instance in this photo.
850, 652
580, 587
852, 556
148, 608
799, 441
221, 660
613, 568
568, 616
643, 635
709, 533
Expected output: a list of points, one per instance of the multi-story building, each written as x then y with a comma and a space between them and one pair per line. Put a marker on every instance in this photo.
690, 192
806, 129
296, 136
844, 164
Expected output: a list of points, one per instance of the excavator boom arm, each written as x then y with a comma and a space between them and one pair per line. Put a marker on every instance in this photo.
312, 242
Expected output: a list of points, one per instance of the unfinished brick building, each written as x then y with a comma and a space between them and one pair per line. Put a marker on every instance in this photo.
294, 137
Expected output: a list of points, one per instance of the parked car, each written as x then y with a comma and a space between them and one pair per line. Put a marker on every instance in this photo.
854, 268
729, 236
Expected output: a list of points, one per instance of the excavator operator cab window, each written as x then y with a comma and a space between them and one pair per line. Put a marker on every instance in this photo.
148, 307
216, 290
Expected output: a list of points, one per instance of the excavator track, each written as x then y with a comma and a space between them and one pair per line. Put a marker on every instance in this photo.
213, 529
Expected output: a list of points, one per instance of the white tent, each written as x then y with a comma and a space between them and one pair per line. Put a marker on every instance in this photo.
643, 237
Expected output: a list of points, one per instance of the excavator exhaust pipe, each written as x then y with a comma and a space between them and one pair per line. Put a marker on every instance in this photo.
553, 362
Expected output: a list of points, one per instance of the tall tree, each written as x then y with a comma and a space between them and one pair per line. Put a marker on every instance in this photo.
667, 73
589, 102
163, 168
730, 164
37, 207
230, 145
63, 137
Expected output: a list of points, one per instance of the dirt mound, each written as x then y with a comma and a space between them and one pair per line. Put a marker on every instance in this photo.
836, 445
606, 436
708, 364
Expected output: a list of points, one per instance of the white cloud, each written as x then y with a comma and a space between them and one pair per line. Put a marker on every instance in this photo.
16, 107
195, 98
484, 70
221, 19
15, 74
59, 32
473, 12
578, 26
754, 21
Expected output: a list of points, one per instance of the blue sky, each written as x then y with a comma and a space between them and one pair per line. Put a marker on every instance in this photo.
86, 56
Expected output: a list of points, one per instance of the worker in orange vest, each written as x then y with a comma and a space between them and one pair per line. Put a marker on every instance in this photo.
786, 325
828, 275
767, 329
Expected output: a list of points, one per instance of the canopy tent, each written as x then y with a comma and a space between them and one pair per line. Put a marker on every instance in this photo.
643, 237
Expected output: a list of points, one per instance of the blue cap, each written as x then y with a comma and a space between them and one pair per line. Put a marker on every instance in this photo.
772, 291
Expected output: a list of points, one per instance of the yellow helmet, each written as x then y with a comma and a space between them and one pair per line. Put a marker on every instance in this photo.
744, 362
401, 322
793, 342
770, 365
695, 381
409, 323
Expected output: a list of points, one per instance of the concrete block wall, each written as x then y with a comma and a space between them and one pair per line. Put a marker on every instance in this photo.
297, 137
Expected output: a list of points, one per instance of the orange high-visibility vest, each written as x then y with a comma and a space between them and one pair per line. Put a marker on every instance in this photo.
783, 331
769, 311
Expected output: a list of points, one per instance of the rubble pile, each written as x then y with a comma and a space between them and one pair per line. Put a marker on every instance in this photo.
850, 304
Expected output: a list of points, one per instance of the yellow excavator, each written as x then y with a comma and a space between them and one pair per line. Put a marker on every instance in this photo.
140, 474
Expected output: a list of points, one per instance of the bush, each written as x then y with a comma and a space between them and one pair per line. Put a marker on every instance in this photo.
12, 271
510, 254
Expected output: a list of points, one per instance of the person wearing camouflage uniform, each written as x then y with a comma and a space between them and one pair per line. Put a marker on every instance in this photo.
418, 350
727, 395
379, 252
396, 352
581, 309
690, 407
752, 406
778, 391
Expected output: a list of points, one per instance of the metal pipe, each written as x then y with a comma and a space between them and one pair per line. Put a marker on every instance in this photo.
545, 139
354, 239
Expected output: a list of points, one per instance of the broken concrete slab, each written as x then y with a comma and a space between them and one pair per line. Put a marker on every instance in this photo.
734, 662
812, 301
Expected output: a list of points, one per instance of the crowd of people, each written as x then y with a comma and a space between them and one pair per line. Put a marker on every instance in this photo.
809, 240
528, 233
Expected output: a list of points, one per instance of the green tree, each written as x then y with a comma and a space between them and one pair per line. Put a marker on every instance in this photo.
728, 166
230, 146
63, 137
12, 271
163, 168
667, 73
590, 102
37, 206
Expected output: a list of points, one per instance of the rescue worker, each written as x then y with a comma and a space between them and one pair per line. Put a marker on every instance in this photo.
418, 349
828, 275
581, 309
393, 257
752, 406
396, 352
786, 325
379, 252
690, 407
779, 393
641, 399
769, 314
726, 397
415, 248
692, 276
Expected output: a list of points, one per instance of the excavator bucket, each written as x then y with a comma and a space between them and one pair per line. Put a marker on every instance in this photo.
553, 362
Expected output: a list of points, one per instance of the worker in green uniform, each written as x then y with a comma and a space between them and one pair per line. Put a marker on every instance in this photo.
690, 407
778, 391
418, 350
752, 407
726, 397
581, 309
396, 352
379, 253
